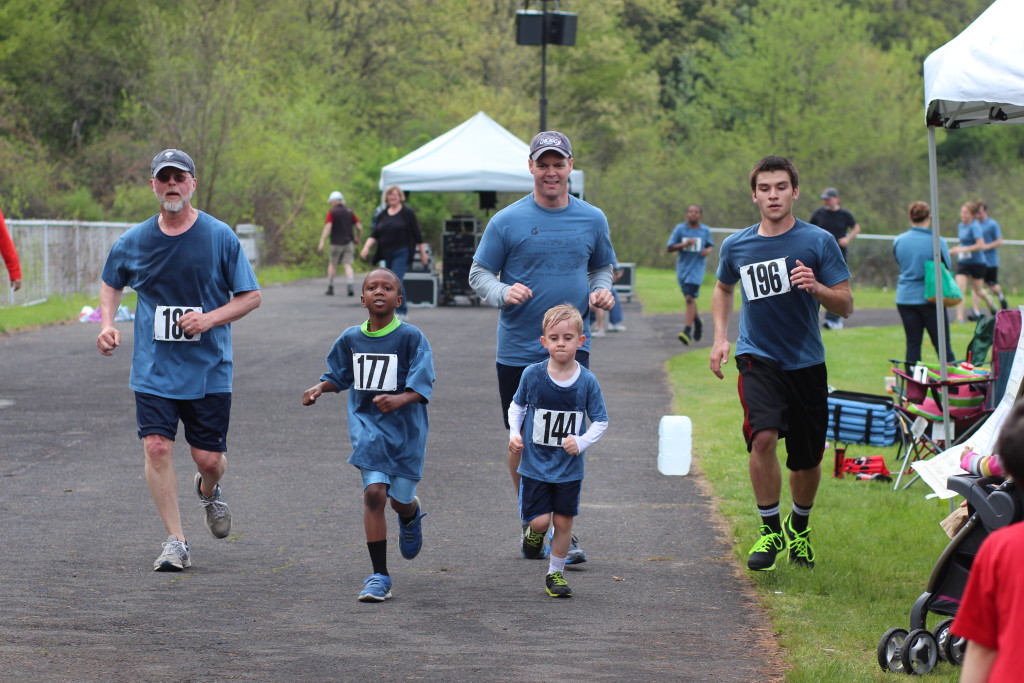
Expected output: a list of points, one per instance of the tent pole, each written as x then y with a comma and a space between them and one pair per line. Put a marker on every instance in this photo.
940, 308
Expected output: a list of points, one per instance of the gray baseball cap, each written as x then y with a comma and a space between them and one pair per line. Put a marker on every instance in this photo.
174, 158
829, 193
550, 140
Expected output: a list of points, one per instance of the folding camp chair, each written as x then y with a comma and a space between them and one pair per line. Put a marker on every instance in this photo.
919, 411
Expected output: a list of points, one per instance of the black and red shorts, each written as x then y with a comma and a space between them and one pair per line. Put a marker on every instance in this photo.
794, 402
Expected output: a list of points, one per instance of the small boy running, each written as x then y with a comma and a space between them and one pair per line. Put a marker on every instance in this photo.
389, 367
546, 419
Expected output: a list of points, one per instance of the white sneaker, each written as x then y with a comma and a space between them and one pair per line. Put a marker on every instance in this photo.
597, 333
174, 558
616, 327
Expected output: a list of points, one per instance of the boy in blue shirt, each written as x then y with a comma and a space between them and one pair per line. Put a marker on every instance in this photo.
546, 419
389, 368
692, 240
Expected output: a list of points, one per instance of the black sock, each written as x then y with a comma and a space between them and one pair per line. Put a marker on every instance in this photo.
379, 556
798, 520
770, 517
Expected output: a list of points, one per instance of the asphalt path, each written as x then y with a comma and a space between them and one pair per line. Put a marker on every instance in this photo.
661, 598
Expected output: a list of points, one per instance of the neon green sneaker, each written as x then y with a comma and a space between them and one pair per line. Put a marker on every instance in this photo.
762, 555
799, 544
556, 586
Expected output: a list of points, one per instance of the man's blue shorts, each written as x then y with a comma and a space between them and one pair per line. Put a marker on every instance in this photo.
689, 289
205, 419
540, 498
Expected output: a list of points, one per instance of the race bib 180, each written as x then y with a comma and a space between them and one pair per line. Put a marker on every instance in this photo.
550, 427
165, 324
375, 371
765, 279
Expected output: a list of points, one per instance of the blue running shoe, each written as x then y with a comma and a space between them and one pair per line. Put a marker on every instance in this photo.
376, 588
576, 554
410, 536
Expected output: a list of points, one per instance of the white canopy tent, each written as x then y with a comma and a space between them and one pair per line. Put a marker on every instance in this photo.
478, 155
975, 79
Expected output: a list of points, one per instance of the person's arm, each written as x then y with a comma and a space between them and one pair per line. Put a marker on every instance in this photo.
109, 338
978, 663
588, 438
323, 236
854, 231
371, 242
516, 415
387, 403
721, 309
493, 291
10, 255
241, 304
836, 299
599, 281
357, 231
309, 396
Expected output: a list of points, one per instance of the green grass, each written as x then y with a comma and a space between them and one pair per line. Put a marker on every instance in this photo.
876, 547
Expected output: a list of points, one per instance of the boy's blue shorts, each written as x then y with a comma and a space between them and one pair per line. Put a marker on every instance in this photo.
205, 419
690, 290
401, 489
540, 498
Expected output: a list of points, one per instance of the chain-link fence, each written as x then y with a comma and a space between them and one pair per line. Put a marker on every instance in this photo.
59, 257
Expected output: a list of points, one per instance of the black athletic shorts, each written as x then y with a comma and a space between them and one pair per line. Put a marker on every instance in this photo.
975, 271
992, 276
794, 402
509, 376
205, 419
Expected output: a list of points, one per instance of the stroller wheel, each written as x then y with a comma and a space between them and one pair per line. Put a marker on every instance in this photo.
920, 652
889, 649
954, 649
941, 633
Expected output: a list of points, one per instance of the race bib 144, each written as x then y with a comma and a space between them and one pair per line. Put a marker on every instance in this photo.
550, 427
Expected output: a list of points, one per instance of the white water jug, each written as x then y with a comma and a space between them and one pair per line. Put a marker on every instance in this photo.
675, 437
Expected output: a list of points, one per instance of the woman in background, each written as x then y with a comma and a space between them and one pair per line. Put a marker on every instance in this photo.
395, 234
912, 249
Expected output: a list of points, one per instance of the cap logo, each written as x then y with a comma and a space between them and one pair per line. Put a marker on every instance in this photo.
549, 141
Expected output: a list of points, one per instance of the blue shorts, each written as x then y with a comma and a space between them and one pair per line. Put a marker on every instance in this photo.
401, 489
690, 290
205, 419
540, 498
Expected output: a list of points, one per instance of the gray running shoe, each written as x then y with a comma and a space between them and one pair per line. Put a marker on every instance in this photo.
174, 558
576, 554
218, 516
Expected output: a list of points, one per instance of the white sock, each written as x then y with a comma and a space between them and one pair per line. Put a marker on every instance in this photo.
555, 564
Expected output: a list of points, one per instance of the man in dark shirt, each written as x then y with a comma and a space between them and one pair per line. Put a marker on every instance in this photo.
844, 228
343, 227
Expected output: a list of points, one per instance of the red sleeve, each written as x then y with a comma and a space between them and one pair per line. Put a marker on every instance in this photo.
8, 251
328, 219
355, 218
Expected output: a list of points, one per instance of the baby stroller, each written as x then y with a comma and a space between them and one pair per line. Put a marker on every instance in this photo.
992, 503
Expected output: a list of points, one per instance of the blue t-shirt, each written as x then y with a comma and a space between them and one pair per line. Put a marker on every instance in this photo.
550, 251
912, 249
778, 320
689, 262
990, 232
969, 234
552, 413
200, 268
388, 361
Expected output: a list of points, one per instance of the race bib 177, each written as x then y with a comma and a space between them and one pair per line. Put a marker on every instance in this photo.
166, 327
765, 279
550, 427
375, 371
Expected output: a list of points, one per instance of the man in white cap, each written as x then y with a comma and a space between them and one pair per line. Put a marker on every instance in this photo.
344, 229
193, 280
549, 248
843, 226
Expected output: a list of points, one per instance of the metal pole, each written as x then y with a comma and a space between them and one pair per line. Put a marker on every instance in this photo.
544, 69
940, 307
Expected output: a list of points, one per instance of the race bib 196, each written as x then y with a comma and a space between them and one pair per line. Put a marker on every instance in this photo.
765, 279
375, 371
165, 324
550, 427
